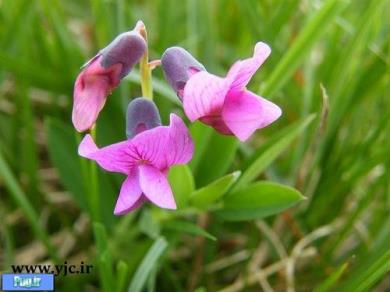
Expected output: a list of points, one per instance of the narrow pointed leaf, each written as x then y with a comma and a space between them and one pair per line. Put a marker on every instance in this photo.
147, 265
209, 194
332, 279
188, 227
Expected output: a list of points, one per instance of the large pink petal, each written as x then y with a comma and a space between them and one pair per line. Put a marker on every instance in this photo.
242, 71
118, 157
244, 112
88, 102
155, 187
179, 148
217, 123
92, 86
204, 95
164, 146
130, 196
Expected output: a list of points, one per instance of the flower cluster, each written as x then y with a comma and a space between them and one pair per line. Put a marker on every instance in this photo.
151, 149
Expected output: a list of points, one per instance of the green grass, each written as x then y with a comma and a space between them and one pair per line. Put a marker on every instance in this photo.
329, 73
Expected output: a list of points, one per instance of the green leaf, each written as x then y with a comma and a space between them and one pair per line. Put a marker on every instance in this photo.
106, 276
100, 237
258, 200
121, 279
63, 154
209, 194
294, 56
201, 135
107, 196
188, 227
104, 257
151, 282
216, 159
268, 153
182, 184
147, 265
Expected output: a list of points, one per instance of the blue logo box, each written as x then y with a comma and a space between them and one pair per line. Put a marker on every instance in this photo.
27, 282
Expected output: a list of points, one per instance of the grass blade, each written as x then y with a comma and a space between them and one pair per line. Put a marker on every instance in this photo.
332, 279
148, 263
302, 45
104, 257
21, 200
122, 271
268, 155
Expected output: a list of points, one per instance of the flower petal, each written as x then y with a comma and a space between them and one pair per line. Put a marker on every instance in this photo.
204, 95
155, 187
244, 112
165, 145
117, 157
130, 196
242, 71
91, 89
179, 147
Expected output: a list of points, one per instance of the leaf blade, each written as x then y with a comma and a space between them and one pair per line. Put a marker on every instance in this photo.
182, 183
207, 195
258, 200
190, 228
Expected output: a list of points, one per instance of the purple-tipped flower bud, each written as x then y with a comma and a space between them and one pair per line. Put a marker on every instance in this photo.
142, 114
126, 49
179, 65
102, 74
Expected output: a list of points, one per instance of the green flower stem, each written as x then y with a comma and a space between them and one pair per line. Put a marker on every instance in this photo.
145, 70
94, 188
21, 200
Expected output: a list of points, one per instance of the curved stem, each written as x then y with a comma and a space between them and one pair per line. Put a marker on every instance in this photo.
145, 69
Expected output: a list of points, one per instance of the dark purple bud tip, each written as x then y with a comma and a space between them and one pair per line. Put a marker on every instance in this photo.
178, 66
142, 114
126, 49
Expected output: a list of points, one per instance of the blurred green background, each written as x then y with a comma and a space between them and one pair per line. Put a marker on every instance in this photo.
329, 73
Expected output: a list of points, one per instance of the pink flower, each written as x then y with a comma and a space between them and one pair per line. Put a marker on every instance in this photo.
145, 159
102, 74
225, 103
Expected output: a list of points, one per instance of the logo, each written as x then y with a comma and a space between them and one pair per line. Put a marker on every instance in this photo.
27, 282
